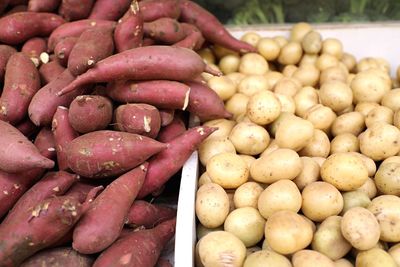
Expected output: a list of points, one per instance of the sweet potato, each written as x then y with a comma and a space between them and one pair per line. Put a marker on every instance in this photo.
45, 102
6, 52
45, 143
148, 41
80, 190
159, 93
33, 48
140, 119
89, 113
167, 115
166, 30
143, 213
102, 223
193, 37
17, 153
75, 9
63, 135
109, 10
210, 27
27, 128
205, 103
21, 82
155, 9
43, 5
107, 153
172, 130
75, 29
169, 161
22, 26
145, 63
124, 37
50, 71
141, 248
63, 256
92, 46
63, 49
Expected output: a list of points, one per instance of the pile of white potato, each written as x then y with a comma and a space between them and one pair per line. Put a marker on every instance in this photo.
307, 172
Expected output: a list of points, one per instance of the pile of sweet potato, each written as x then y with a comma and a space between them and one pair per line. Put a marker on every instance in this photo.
93, 115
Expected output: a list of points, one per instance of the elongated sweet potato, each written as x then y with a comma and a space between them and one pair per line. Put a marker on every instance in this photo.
143, 213
107, 153
141, 248
45, 102
63, 256
17, 153
102, 223
210, 27
22, 26
6, 52
63, 49
33, 48
50, 71
166, 30
109, 10
27, 128
63, 135
92, 46
193, 37
145, 63
159, 93
21, 82
172, 130
129, 31
75, 9
75, 29
80, 190
89, 113
45, 143
167, 115
43, 5
154, 9
140, 119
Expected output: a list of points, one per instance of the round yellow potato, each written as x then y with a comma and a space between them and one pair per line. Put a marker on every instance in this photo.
394, 251
325, 61
343, 263
277, 165
369, 188
387, 178
346, 142
263, 107
237, 105
273, 78
290, 53
287, 103
308, 75
287, 86
272, 147
345, 171
247, 224
229, 64
207, 55
251, 38
236, 77
365, 107
392, 99
321, 117
386, 209
395, 159
336, 95
307, 258
264, 258
288, 70
221, 248
252, 84
309, 173
253, 63
312, 42
373, 63
351, 122
299, 30
204, 179
375, 257
304, 99
214, 146
349, 61
247, 195
228, 170
369, 163
332, 74
223, 86
202, 231
224, 128
360, 227
353, 199
319, 145
379, 114
319, 160
249, 138
321, 200
268, 48
287, 232
332, 47
248, 159
309, 59
284, 134
370, 86
281, 195
380, 141
212, 205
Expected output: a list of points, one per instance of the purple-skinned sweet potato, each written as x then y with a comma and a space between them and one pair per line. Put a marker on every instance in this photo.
145, 63
109, 153
6, 52
155, 9
169, 161
172, 130
167, 115
193, 37
80, 190
20, 27
143, 213
165, 30
43, 5
75, 9
63, 49
109, 10
33, 48
50, 71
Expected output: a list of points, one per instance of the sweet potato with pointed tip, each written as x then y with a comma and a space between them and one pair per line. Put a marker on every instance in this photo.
63, 49
43, 5
172, 130
80, 190
167, 115
141, 248
155, 9
62, 256
75, 9
145, 63
6, 52
143, 213
109, 10
33, 48
20, 27
193, 37
108, 153
169, 161
50, 71
166, 30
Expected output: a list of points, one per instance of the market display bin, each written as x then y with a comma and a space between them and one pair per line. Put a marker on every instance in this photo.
361, 40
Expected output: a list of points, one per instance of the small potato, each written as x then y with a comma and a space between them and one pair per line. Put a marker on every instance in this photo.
272, 147
379, 114
360, 227
369, 188
387, 178
392, 99
309, 59
287, 232
325, 61
318, 146
268, 48
369, 163
373, 63
247, 224
273, 77
252, 84
380, 141
207, 55
351, 122
287, 86
273, 127
247, 195
386, 209
370, 86
304, 133
249, 138
202, 231
212, 205
374, 257
335, 73
236, 77
287, 103
336, 95
304, 99
393, 159
309, 173
281, 195
253, 63
204, 179
229, 64
228, 170
288, 70
308, 75
306, 258
394, 251
321, 200
277, 165
223, 86
212, 147
299, 30
332, 47
263, 107
328, 239
251, 38
346, 142
219, 247
237, 104
365, 107
264, 258
349, 61
312, 42
353, 199
291, 53
224, 128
